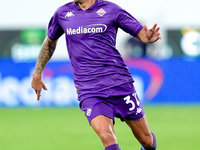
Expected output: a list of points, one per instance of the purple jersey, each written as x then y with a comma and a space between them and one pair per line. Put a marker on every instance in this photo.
98, 67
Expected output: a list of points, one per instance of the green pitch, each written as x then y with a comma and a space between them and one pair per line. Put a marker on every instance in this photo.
176, 128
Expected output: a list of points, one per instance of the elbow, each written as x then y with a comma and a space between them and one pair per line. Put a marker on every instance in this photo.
50, 41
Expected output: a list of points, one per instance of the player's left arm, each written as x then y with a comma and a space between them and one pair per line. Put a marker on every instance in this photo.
149, 35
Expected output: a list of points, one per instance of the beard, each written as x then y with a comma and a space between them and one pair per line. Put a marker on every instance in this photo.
79, 1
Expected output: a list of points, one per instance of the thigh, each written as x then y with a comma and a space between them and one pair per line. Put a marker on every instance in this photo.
140, 128
96, 106
102, 123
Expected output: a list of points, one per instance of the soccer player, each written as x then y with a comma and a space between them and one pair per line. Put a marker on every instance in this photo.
104, 84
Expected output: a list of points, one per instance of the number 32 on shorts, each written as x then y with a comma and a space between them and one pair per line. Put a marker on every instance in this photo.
128, 100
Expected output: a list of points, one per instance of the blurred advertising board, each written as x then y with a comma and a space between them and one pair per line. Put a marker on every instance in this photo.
185, 41
15, 85
21, 44
172, 81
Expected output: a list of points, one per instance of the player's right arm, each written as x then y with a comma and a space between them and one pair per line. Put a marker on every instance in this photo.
46, 52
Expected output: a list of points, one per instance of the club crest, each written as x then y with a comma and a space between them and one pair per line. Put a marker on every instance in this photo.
101, 12
88, 112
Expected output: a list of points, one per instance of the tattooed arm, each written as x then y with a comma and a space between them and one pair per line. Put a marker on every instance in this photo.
47, 50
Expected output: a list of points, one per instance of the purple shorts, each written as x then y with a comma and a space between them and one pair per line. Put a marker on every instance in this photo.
124, 107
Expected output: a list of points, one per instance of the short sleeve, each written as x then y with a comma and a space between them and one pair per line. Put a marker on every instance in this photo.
54, 28
127, 22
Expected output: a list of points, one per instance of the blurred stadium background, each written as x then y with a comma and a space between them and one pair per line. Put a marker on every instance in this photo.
166, 76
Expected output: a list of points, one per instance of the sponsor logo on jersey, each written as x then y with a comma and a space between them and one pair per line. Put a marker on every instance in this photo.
101, 12
93, 28
69, 14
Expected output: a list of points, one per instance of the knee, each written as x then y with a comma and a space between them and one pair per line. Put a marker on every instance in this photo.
107, 137
146, 140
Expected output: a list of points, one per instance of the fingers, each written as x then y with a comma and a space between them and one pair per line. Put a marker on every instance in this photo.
145, 27
153, 29
157, 29
38, 85
154, 26
38, 94
44, 87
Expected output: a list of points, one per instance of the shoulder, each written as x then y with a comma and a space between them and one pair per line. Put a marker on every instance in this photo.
112, 7
108, 3
67, 6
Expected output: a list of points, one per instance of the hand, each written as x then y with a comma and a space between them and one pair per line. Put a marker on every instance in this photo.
37, 84
152, 34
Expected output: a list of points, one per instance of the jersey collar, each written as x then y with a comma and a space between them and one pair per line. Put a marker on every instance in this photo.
76, 7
